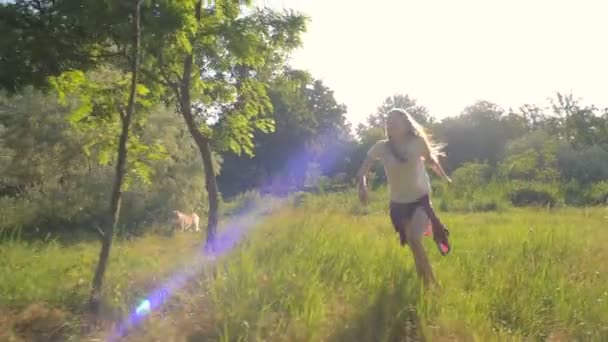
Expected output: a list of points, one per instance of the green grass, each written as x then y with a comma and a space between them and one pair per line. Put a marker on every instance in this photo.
325, 269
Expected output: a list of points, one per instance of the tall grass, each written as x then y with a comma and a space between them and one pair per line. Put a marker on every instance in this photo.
60, 276
325, 269
517, 274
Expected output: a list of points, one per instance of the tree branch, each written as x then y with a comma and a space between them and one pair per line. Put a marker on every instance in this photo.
167, 78
109, 55
155, 77
38, 6
100, 232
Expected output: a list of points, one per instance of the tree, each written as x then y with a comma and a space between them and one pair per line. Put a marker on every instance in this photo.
581, 126
533, 116
586, 165
418, 112
531, 157
39, 157
100, 99
211, 66
310, 127
479, 133
125, 119
42, 38
58, 171
216, 67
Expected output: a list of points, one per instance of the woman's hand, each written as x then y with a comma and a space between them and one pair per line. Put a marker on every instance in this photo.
362, 180
363, 193
440, 172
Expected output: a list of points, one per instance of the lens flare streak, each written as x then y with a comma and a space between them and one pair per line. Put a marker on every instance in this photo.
226, 240
233, 232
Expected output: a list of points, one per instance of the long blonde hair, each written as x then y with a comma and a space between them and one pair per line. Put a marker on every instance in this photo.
418, 131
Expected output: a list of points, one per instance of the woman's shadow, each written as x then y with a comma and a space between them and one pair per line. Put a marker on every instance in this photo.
388, 316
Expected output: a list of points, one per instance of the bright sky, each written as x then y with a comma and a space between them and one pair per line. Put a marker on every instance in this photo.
447, 54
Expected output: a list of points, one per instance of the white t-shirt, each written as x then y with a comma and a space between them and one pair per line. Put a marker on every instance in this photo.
407, 181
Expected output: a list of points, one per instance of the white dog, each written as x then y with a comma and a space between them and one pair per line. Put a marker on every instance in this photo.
185, 221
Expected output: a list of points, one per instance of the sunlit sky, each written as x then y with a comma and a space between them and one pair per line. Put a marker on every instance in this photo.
448, 54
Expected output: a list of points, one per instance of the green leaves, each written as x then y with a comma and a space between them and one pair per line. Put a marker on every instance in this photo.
104, 156
234, 146
234, 57
140, 155
234, 131
40, 43
264, 125
183, 43
95, 100
419, 113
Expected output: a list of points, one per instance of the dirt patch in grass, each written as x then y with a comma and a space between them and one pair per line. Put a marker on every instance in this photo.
37, 322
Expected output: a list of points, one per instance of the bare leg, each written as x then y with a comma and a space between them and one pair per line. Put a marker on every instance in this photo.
415, 232
195, 219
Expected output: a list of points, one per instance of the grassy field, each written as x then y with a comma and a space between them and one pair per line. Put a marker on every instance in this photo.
321, 268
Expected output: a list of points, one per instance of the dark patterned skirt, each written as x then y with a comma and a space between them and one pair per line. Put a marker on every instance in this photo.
403, 212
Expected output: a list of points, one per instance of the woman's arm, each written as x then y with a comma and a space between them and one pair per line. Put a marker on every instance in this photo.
362, 178
435, 165
363, 170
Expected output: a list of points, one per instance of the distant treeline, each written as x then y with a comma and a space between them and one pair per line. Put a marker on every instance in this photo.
50, 181
548, 156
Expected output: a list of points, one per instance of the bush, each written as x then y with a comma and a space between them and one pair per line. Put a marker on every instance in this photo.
471, 198
323, 184
575, 193
598, 193
533, 194
444, 205
253, 201
242, 203
479, 204
588, 165
485, 204
471, 177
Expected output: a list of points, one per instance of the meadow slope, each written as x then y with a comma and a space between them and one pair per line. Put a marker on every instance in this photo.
321, 268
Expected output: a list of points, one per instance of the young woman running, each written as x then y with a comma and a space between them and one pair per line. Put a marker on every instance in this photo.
403, 155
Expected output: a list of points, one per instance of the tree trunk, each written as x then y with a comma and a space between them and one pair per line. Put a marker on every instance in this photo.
95, 297
212, 191
204, 147
202, 142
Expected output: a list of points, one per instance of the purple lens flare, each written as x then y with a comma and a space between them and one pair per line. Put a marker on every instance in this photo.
232, 232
